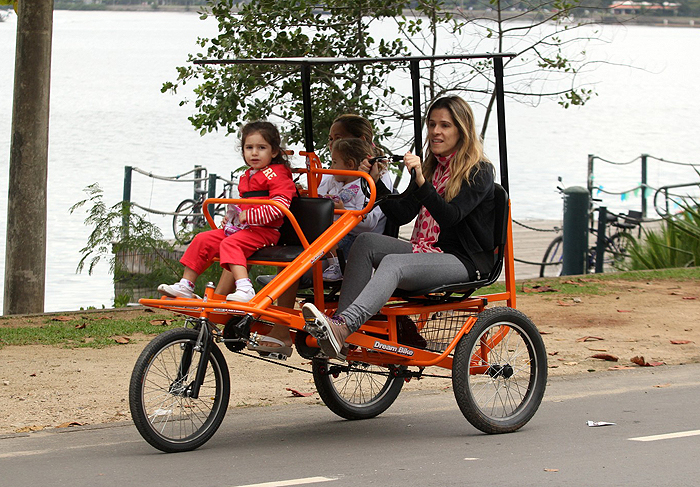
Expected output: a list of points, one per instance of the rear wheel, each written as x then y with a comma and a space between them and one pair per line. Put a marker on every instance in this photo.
553, 258
356, 390
617, 253
187, 221
500, 371
159, 393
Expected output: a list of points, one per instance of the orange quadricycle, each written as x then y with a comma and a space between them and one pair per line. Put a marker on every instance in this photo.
179, 390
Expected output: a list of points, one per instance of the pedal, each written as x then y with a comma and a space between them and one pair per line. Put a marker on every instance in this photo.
313, 328
276, 356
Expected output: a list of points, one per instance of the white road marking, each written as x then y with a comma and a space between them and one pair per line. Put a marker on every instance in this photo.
667, 436
285, 483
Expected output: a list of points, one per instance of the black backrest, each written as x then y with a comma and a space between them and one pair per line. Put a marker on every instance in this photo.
314, 216
500, 230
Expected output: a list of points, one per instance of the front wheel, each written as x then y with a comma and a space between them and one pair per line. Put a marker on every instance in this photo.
159, 393
500, 371
356, 390
553, 258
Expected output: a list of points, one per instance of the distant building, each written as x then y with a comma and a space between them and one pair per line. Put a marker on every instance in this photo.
629, 7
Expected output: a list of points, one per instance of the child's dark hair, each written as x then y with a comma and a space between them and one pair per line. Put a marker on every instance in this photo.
271, 135
353, 150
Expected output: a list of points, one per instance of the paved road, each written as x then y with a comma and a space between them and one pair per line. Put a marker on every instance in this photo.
421, 440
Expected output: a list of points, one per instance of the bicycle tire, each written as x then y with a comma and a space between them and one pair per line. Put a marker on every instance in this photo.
187, 221
552, 262
499, 389
162, 412
617, 248
363, 392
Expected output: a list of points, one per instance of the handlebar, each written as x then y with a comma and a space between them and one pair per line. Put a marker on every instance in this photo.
412, 186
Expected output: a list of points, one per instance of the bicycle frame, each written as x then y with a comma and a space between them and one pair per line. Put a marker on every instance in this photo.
371, 349
497, 356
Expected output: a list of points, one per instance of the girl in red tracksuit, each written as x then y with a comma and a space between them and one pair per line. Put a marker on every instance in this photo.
246, 228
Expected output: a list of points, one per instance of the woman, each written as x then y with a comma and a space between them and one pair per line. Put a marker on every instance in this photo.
452, 239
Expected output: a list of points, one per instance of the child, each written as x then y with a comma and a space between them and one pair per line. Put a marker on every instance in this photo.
246, 228
346, 193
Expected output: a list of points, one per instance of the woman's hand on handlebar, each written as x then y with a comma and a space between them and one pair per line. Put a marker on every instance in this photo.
371, 169
412, 161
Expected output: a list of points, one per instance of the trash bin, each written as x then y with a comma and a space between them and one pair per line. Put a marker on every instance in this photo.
575, 230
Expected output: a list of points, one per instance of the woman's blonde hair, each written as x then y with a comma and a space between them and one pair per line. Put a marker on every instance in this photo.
470, 150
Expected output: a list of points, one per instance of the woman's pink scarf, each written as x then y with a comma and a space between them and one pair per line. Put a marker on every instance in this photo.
426, 230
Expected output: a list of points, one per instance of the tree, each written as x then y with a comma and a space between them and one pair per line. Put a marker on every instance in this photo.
226, 96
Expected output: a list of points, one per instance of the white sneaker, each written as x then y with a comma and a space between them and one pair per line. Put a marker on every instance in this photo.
333, 273
241, 295
177, 290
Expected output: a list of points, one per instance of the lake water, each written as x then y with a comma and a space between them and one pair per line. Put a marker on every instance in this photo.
107, 112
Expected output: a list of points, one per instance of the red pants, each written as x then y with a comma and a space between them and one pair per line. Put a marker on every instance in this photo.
232, 250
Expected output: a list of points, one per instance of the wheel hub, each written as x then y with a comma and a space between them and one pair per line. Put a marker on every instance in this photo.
504, 371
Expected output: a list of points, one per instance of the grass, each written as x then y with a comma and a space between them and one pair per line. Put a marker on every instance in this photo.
98, 331
94, 331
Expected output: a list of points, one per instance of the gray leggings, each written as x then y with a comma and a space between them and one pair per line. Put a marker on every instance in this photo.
364, 294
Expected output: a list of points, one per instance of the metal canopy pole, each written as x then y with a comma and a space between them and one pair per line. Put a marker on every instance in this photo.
306, 98
417, 126
501, 117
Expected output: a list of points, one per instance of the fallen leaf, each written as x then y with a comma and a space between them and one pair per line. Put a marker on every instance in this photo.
121, 339
545, 332
605, 356
675, 293
570, 363
624, 310
149, 310
544, 289
597, 349
668, 384
69, 424
552, 353
588, 339
690, 297
161, 322
681, 342
564, 303
553, 366
639, 360
61, 318
577, 300
620, 367
296, 393
551, 469
80, 326
32, 375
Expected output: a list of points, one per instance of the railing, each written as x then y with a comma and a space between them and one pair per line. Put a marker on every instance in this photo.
200, 180
677, 199
643, 186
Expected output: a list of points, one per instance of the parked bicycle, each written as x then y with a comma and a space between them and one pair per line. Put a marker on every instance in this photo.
617, 239
189, 218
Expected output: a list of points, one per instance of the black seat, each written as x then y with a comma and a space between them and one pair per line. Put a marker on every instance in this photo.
499, 239
314, 216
